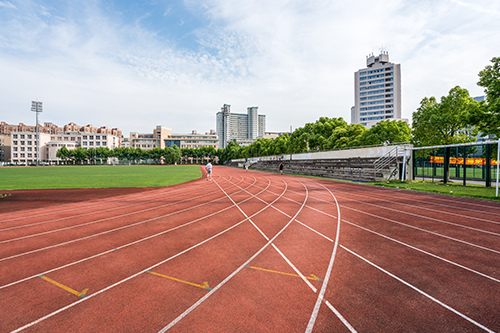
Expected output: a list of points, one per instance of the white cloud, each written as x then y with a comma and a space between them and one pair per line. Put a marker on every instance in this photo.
293, 59
7, 4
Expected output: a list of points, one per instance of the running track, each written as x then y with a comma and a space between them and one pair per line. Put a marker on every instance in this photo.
253, 252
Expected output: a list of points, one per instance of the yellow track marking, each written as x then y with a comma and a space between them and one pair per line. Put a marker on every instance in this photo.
74, 292
311, 277
203, 286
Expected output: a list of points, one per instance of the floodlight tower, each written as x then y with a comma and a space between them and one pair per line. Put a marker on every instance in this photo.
36, 107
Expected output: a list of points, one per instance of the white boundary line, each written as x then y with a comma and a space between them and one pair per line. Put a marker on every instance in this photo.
142, 271
111, 218
342, 319
321, 294
119, 247
470, 320
201, 300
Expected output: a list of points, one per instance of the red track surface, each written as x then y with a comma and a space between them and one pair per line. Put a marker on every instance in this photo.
252, 252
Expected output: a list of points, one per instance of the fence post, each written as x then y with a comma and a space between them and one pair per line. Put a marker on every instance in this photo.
488, 165
446, 164
465, 164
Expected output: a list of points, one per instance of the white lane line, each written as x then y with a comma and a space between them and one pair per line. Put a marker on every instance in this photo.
141, 272
110, 218
274, 246
119, 247
399, 242
421, 292
87, 205
341, 318
424, 230
393, 221
425, 209
321, 294
128, 205
423, 251
201, 300
426, 197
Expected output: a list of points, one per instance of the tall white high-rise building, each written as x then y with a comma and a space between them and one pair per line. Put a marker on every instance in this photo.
239, 127
377, 91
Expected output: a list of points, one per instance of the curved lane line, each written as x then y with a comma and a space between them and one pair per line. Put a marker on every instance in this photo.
472, 321
111, 218
143, 271
119, 247
98, 202
321, 294
201, 300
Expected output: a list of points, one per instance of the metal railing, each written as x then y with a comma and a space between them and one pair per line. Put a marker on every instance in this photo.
388, 158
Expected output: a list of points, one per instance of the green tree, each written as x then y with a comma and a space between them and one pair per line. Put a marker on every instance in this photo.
444, 123
486, 115
63, 153
387, 131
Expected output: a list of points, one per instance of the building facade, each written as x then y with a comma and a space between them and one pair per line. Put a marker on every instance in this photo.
24, 147
5, 148
193, 140
377, 91
148, 141
234, 127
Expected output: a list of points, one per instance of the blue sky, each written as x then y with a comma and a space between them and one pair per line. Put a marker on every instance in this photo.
138, 64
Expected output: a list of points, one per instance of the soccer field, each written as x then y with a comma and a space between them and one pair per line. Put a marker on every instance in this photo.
105, 176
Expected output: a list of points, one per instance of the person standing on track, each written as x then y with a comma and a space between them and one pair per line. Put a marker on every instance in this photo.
281, 167
208, 167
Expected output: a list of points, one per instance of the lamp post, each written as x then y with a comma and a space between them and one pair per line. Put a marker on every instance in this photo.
36, 107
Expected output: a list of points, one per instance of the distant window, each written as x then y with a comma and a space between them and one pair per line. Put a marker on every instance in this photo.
30, 143
15, 142
22, 136
22, 143
15, 148
97, 137
72, 138
84, 137
104, 137
29, 136
30, 149
91, 137
97, 143
15, 154
14, 136
103, 143
91, 143
84, 143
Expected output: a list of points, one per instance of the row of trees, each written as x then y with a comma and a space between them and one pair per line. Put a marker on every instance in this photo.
79, 155
324, 134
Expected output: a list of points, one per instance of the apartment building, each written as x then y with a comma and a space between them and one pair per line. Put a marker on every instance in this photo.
24, 147
74, 139
377, 91
238, 127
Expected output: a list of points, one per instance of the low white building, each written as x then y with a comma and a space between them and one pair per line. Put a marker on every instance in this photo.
23, 147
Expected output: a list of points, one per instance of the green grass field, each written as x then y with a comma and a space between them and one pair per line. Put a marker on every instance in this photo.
452, 189
105, 176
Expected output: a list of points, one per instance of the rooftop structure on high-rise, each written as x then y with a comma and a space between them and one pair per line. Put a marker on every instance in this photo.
377, 91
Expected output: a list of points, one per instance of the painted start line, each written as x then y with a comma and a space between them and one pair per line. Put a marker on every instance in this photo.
253, 252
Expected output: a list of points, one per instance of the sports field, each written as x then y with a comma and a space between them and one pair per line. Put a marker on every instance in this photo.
102, 176
252, 252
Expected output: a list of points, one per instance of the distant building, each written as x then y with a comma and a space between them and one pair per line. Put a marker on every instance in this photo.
148, 141
238, 127
193, 140
5, 147
24, 147
50, 128
75, 139
377, 91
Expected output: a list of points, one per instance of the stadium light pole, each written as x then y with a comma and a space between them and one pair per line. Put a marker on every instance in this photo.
36, 107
